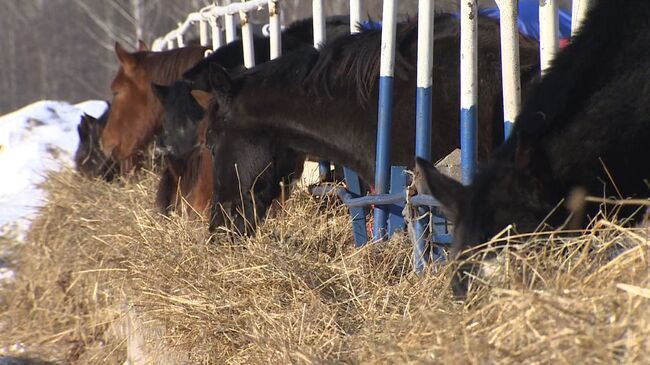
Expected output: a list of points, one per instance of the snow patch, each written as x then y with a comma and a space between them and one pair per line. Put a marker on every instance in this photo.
38, 138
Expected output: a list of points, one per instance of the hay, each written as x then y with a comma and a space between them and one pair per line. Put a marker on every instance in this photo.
99, 259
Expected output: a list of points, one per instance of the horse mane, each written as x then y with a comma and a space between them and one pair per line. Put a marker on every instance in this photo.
290, 69
168, 66
354, 60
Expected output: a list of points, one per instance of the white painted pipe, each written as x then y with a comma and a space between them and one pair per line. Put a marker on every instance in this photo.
579, 11
247, 41
203, 32
231, 28
425, 44
275, 31
319, 22
510, 62
549, 29
389, 22
356, 9
179, 37
468, 54
217, 34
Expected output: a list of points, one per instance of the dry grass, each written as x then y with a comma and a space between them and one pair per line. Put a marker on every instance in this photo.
299, 292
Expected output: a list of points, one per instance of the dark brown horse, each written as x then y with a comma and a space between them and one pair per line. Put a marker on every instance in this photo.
89, 160
324, 103
136, 113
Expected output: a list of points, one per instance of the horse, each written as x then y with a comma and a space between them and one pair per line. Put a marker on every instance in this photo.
245, 187
251, 183
187, 172
135, 116
584, 129
89, 160
324, 103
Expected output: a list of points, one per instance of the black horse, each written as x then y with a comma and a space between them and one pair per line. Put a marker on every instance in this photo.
325, 103
89, 159
585, 126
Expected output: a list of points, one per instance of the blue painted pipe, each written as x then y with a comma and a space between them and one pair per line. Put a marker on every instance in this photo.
397, 186
423, 122
507, 128
358, 214
423, 107
382, 162
468, 144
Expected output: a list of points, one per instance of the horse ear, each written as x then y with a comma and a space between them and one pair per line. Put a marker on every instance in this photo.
125, 58
202, 98
142, 46
449, 192
83, 128
220, 80
160, 91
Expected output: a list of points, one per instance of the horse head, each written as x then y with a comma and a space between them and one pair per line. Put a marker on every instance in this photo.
135, 110
181, 119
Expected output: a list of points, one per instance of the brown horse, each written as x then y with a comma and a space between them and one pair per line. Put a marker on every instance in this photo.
136, 113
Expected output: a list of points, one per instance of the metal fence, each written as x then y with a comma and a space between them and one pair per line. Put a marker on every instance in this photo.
390, 195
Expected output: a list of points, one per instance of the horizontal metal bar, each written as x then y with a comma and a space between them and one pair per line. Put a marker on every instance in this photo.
442, 238
420, 200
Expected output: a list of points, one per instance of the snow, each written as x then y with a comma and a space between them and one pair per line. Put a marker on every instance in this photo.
38, 138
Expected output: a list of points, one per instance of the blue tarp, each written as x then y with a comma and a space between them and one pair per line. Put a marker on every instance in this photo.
528, 19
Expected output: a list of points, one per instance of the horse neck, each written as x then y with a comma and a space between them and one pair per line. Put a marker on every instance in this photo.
335, 127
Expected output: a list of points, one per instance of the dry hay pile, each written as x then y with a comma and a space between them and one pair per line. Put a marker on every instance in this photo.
299, 292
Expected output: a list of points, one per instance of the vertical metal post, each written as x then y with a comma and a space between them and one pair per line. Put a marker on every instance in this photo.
358, 214
217, 36
468, 89
275, 36
203, 32
351, 178
179, 37
423, 105
318, 16
356, 9
510, 63
386, 72
247, 40
231, 28
397, 186
549, 29
579, 11
319, 22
